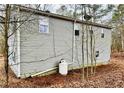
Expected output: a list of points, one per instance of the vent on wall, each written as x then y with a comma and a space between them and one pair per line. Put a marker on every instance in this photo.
102, 35
76, 32
97, 53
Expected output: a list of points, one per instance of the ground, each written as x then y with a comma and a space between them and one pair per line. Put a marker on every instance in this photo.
107, 76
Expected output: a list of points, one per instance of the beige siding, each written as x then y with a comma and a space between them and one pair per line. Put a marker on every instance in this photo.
43, 51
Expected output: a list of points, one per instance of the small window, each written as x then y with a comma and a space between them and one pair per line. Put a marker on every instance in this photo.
97, 53
76, 32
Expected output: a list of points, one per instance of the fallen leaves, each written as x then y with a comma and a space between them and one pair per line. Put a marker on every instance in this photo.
107, 76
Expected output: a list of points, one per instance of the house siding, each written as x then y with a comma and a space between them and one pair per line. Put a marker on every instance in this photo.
40, 52
13, 41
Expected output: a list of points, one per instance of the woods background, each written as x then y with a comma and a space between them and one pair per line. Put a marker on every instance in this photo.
112, 15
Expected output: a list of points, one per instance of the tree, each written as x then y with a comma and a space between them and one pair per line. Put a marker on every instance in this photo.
6, 28
63, 10
118, 23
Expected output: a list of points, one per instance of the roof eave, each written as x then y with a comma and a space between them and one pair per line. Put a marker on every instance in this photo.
39, 12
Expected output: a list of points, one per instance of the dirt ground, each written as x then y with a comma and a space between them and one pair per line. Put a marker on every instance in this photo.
107, 76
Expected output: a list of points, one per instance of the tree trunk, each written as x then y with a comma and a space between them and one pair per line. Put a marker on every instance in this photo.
6, 26
122, 41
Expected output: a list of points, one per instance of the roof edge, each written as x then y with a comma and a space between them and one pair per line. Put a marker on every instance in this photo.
39, 12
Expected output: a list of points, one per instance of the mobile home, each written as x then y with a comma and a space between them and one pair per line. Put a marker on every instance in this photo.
39, 40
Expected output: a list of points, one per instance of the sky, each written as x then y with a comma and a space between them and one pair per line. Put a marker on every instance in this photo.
54, 7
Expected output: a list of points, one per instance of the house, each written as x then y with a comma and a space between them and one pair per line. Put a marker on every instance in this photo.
41, 39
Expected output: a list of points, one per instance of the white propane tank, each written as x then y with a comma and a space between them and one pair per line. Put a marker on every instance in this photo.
63, 67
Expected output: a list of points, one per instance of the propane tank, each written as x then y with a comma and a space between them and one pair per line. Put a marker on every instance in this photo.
63, 67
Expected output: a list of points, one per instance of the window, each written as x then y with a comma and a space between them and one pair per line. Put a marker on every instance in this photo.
44, 25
